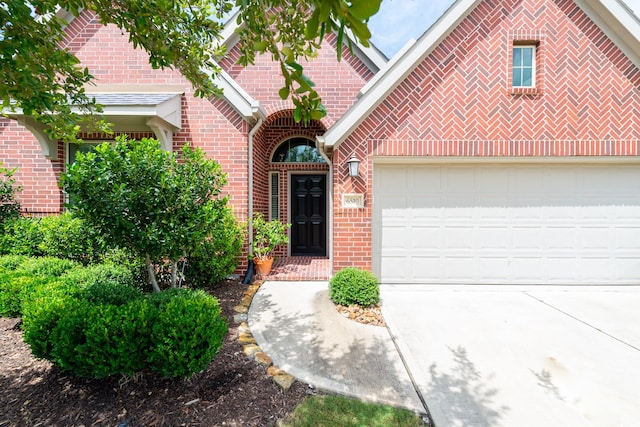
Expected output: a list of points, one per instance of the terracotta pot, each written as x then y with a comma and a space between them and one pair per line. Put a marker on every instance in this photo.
263, 266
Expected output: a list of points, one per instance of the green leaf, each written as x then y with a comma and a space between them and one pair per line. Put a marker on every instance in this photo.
364, 9
311, 29
297, 114
340, 39
260, 46
284, 93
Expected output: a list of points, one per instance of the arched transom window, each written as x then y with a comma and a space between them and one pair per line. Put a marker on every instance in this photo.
297, 150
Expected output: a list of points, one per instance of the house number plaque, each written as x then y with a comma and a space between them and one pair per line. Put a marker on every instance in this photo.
353, 201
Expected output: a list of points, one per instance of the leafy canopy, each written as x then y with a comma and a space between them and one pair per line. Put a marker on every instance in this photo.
45, 79
158, 204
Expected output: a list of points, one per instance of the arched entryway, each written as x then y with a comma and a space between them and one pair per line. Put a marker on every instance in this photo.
291, 183
306, 193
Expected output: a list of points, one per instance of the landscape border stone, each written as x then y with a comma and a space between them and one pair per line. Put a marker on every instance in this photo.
250, 347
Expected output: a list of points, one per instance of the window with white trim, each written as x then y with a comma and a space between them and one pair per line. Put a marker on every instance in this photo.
524, 66
274, 195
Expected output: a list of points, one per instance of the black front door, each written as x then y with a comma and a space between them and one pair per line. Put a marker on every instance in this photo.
308, 215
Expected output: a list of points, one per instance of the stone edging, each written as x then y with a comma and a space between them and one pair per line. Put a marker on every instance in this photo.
251, 348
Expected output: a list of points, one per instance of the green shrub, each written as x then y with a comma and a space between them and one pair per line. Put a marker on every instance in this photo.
23, 275
187, 332
46, 266
42, 308
21, 236
91, 333
100, 274
9, 204
111, 293
354, 286
98, 340
68, 237
216, 257
12, 291
11, 262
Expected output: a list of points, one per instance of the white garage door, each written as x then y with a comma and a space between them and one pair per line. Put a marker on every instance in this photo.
511, 224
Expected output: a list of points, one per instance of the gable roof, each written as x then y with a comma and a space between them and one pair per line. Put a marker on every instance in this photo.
613, 17
370, 56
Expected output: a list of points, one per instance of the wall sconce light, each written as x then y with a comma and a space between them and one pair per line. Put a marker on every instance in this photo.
354, 166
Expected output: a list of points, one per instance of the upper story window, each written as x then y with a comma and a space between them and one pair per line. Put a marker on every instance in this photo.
297, 150
524, 66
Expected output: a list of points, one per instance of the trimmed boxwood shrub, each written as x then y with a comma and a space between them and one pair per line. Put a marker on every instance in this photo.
21, 236
46, 267
11, 262
66, 236
354, 286
187, 332
98, 340
19, 275
92, 332
42, 308
12, 287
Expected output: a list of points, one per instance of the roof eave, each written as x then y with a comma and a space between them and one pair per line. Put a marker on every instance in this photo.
396, 72
617, 22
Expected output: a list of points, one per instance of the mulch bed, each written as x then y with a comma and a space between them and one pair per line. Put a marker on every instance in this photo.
233, 391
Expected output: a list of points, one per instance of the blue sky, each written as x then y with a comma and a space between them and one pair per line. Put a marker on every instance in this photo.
398, 21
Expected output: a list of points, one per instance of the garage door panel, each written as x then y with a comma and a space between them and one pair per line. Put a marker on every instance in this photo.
507, 224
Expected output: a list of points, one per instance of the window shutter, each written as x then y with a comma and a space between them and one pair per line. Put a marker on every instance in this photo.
274, 209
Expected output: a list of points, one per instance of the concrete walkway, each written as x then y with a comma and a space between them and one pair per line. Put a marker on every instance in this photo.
296, 324
480, 356
514, 356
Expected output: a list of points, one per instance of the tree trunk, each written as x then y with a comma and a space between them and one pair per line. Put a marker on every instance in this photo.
152, 274
174, 273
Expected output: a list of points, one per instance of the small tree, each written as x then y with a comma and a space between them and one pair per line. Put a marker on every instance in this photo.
158, 204
9, 205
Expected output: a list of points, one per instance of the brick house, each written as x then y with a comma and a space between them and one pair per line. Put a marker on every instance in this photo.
501, 147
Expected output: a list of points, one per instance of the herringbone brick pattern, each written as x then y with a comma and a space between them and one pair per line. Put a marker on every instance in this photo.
459, 102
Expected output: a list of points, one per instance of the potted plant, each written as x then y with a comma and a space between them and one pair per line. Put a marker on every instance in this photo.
266, 236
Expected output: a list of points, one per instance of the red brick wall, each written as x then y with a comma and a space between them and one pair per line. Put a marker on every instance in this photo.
459, 102
338, 83
37, 175
210, 124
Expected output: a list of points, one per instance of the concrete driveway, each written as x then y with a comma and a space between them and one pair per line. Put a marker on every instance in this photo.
521, 356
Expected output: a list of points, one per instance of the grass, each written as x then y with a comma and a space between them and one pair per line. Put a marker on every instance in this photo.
330, 411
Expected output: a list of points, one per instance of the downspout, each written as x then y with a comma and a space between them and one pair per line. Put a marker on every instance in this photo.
257, 112
320, 146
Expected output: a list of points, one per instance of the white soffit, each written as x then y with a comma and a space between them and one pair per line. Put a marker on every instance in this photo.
164, 106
